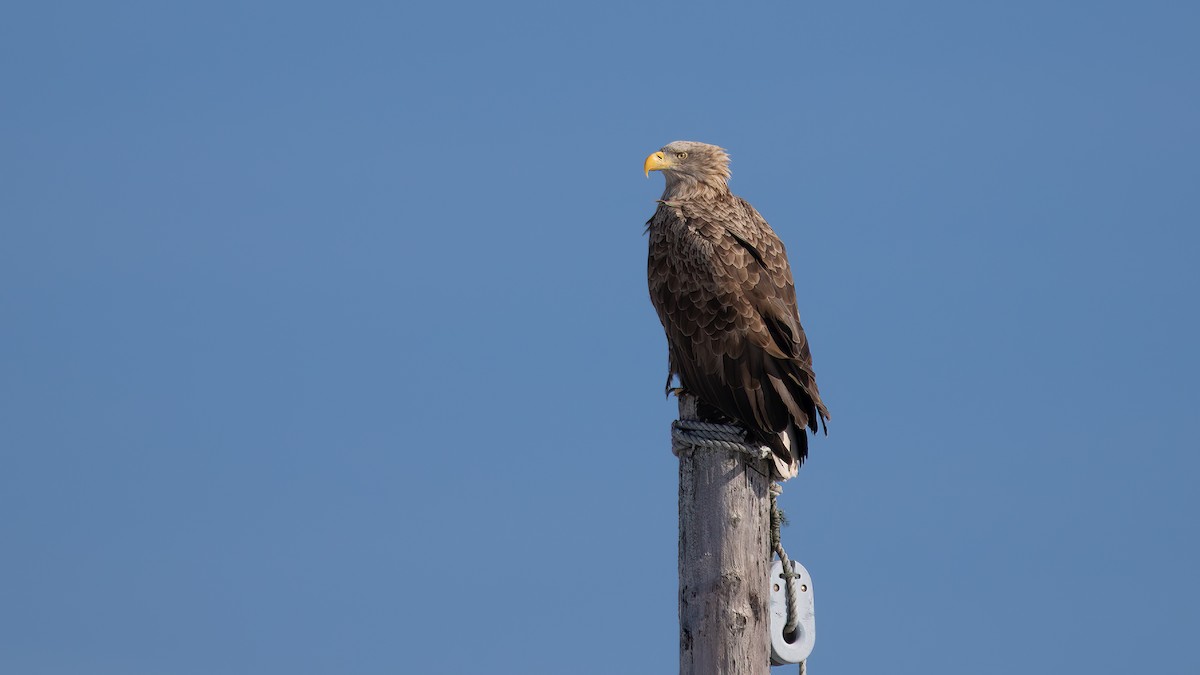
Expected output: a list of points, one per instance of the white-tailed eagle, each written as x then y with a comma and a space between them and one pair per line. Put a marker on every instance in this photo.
720, 282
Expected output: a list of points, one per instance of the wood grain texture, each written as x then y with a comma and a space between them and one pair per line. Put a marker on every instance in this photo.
724, 561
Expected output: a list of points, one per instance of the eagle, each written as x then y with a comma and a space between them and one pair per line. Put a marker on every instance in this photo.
720, 281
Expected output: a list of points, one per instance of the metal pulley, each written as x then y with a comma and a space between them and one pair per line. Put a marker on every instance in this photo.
791, 647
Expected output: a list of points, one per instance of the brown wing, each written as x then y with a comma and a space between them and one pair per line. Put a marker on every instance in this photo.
720, 281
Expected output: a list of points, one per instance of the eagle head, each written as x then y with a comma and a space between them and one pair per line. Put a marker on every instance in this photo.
688, 165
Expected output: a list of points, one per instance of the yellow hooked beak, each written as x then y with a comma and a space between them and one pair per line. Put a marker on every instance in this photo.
656, 162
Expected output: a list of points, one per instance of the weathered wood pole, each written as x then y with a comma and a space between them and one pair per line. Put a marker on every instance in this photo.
724, 561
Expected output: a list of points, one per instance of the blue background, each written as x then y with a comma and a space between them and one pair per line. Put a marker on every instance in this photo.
325, 344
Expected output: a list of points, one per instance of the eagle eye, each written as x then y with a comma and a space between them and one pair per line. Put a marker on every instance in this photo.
681, 155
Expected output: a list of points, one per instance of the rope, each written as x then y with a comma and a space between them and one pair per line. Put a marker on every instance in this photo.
696, 435
789, 575
692, 435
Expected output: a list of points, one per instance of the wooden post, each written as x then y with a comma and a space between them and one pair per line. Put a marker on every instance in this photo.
724, 561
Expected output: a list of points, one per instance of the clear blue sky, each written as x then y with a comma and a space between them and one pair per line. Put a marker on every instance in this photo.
325, 345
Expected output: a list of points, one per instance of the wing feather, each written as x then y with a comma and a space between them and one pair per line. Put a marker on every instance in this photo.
720, 282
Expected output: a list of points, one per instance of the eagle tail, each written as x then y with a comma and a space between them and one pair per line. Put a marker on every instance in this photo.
791, 444
788, 450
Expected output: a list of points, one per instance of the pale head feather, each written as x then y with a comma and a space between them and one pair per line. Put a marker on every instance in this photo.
696, 167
